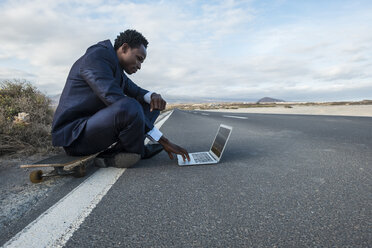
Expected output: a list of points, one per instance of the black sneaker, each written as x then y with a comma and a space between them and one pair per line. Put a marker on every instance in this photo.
119, 160
151, 150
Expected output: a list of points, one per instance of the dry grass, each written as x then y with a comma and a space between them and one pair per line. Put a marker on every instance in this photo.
20, 96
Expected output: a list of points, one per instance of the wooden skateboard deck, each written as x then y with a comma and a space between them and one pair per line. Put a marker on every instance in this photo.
63, 165
60, 160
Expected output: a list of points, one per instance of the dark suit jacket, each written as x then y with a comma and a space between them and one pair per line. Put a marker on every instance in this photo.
95, 81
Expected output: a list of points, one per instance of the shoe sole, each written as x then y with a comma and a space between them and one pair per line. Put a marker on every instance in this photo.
120, 160
126, 160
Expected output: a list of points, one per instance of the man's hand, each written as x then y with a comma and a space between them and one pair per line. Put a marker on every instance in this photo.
157, 102
171, 148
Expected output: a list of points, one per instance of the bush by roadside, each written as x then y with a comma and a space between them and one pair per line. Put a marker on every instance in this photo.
29, 136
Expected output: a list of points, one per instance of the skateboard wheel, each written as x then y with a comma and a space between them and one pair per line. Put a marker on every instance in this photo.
36, 176
79, 171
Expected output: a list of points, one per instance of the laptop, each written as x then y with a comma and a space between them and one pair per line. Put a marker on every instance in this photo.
214, 155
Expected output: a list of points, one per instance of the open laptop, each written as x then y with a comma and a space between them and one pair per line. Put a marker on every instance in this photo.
214, 155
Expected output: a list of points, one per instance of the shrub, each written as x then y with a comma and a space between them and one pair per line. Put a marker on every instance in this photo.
20, 96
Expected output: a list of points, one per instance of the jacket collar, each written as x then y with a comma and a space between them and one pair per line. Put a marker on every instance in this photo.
110, 47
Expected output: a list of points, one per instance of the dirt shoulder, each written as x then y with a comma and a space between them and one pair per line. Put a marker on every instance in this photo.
17, 194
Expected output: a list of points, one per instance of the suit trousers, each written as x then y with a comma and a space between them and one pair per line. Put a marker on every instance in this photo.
122, 122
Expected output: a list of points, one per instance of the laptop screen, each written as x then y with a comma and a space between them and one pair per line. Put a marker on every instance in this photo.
220, 141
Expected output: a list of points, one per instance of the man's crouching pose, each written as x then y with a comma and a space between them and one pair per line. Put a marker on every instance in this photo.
100, 105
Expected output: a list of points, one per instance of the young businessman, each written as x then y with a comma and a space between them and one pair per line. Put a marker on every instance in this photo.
100, 105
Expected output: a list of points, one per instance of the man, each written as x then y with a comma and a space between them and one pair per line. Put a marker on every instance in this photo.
100, 105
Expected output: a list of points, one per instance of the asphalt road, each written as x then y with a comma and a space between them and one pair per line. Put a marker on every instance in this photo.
283, 181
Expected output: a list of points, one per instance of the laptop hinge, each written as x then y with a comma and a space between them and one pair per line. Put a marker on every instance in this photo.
213, 155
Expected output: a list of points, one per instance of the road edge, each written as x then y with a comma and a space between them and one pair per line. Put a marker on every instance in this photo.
55, 226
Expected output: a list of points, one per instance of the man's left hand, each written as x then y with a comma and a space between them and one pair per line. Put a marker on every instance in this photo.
157, 102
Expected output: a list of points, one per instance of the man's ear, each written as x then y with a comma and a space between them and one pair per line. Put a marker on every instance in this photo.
125, 47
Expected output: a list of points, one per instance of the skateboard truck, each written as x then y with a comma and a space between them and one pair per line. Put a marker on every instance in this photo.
38, 175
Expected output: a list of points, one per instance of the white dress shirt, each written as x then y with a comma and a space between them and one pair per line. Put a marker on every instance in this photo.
154, 134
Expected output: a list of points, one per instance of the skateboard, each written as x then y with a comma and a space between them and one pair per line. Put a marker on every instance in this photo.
62, 164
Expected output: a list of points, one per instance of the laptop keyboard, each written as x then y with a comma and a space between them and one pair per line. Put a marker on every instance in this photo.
201, 157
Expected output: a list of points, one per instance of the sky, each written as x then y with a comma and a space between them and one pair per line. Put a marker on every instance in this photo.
227, 50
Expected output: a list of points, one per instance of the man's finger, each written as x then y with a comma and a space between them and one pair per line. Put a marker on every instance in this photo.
163, 105
156, 104
180, 152
159, 104
170, 155
183, 156
187, 155
151, 105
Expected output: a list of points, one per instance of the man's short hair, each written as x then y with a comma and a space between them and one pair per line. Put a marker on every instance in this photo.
133, 38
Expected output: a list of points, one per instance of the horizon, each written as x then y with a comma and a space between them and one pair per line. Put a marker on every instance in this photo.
209, 50
219, 101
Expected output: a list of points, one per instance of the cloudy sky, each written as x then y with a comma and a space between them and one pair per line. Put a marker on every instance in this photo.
294, 50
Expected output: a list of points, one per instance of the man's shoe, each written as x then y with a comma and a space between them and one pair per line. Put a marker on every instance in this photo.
111, 151
151, 150
119, 160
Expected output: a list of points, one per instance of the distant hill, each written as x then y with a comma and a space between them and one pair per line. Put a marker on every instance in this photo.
269, 99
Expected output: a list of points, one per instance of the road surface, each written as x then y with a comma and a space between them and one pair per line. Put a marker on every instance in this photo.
283, 181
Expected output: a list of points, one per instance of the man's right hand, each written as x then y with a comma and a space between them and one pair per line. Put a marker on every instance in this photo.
171, 148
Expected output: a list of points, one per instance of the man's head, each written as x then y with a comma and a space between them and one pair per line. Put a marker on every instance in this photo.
130, 48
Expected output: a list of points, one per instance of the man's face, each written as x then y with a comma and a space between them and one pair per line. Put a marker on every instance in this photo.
130, 59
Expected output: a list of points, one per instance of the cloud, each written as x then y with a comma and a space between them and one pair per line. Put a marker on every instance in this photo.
9, 73
214, 49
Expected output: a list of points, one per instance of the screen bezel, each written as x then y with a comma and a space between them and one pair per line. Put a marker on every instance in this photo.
223, 149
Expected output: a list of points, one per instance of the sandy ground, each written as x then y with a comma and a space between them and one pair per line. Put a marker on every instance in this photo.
343, 110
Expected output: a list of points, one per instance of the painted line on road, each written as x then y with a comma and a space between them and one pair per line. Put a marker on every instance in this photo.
163, 120
234, 116
204, 114
56, 225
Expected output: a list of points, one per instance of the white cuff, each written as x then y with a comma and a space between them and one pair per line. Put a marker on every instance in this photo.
147, 97
154, 134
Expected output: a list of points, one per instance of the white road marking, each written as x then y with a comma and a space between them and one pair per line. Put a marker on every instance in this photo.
163, 120
204, 114
55, 226
234, 116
